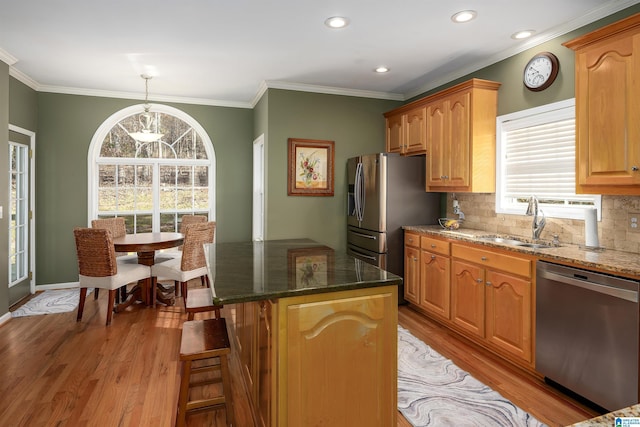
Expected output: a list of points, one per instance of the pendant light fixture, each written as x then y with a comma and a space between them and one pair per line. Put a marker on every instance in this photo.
146, 119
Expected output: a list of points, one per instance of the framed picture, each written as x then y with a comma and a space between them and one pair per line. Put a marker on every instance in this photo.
310, 167
310, 267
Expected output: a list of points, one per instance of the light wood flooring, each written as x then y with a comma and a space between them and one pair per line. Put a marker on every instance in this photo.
56, 372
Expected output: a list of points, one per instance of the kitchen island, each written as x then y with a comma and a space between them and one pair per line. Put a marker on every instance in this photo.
315, 331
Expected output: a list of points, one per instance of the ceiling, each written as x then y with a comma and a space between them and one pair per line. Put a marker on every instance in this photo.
227, 52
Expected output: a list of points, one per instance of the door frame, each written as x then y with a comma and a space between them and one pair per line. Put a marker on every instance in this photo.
259, 192
32, 202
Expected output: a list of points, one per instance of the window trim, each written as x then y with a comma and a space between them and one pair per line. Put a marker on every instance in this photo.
531, 117
111, 121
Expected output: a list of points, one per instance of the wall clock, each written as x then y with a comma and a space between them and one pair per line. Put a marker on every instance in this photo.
541, 71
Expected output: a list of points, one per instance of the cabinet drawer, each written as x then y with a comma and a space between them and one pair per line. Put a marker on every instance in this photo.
496, 260
435, 245
412, 239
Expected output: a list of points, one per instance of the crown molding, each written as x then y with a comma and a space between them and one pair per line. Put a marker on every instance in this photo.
140, 96
594, 15
302, 87
7, 58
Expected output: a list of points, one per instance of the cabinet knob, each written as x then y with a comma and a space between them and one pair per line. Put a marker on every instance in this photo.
433, 246
484, 258
444, 177
433, 257
634, 168
479, 280
488, 283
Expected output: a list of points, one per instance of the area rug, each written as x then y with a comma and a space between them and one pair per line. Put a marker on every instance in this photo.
50, 302
432, 391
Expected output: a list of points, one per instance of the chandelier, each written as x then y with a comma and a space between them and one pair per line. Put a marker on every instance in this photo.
146, 119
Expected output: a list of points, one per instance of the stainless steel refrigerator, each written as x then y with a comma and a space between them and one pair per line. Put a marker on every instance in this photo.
386, 191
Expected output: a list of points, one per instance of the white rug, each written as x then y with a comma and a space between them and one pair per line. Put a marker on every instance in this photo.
432, 391
50, 302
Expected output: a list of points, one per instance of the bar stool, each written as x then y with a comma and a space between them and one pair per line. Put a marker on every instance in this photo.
200, 301
204, 339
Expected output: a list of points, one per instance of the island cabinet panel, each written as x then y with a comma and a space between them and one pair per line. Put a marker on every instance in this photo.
265, 370
336, 350
607, 90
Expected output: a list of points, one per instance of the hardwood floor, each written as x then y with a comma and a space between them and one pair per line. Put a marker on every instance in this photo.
56, 372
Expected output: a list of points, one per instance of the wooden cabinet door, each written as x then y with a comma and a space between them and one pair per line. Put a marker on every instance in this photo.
467, 297
247, 333
412, 274
607, 114
459, 139
265, 364
342, 361
437, 144
435, 290
394, 134
415, 131
508, 313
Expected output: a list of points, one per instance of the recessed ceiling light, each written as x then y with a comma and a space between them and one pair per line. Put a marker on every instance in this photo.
337, 22
522, 34
381, 70
464, 16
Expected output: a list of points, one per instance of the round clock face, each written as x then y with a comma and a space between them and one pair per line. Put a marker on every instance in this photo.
540, 71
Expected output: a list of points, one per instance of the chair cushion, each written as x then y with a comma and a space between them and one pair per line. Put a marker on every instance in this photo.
170, 270
127, 273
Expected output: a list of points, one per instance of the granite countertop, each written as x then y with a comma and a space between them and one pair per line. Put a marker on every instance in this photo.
610, 418
254, 271
614, 262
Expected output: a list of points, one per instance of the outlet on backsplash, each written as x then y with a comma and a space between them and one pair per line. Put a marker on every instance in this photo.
633, 221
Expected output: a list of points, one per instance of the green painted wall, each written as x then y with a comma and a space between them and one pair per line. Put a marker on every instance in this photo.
356, 125
4, 185
65, 127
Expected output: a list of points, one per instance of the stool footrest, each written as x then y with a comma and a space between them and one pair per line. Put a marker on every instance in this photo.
205, 403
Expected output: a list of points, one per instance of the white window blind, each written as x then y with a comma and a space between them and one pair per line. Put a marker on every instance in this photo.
536, 156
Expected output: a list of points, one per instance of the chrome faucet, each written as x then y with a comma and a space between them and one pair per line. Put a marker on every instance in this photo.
533, 210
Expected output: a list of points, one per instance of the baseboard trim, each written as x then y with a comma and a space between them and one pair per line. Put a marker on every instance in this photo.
68, 285
5, 318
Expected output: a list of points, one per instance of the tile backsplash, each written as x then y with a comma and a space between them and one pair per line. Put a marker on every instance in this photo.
613, 231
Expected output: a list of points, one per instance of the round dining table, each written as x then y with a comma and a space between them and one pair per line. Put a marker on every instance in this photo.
145, 245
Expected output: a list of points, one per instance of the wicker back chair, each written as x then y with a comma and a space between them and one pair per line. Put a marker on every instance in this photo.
191, 219
98, 266
192, 263
116, 226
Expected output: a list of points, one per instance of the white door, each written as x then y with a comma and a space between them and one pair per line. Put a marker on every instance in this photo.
21, 281
258, 188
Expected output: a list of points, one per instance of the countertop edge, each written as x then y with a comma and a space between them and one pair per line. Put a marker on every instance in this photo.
609, 261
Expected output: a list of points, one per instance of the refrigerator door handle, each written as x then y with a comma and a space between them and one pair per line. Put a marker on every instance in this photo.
359, 191
366, 236
364, 255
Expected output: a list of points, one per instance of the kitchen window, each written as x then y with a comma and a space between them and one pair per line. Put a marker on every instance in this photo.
151, 184
536, 156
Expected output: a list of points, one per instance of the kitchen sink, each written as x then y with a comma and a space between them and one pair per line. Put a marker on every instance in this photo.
511, 241
503, 240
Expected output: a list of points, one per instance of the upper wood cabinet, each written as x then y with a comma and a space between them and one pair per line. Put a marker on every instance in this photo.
607, 108
406, 131
461, 138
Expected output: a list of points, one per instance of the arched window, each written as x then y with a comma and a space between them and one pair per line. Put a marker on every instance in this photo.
151, 184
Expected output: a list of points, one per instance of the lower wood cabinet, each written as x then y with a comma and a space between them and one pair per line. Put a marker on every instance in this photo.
435, 266
325, 359
483, 293
412, 268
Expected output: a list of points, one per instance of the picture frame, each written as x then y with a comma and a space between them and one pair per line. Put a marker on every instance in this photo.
310, 267
311, 167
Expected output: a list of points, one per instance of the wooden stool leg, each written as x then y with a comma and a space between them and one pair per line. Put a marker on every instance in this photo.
83, 297
181, 418
226, 388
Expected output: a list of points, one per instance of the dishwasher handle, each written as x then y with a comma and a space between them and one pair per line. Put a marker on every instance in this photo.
595, 287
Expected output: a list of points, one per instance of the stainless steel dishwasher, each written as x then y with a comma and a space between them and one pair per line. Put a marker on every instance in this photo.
587, 333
